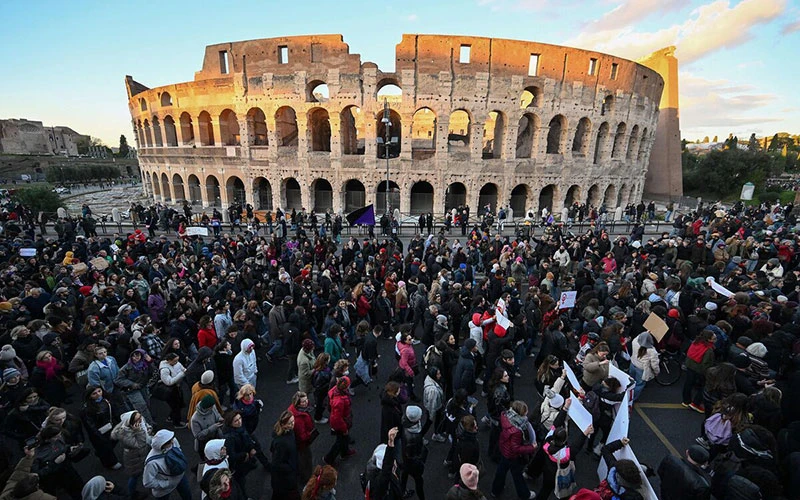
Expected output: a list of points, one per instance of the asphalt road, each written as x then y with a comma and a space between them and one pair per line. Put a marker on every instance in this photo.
675, 426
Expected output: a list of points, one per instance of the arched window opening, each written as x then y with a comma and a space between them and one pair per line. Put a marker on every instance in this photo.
187, 129
293, 197
263, 192
493, 134
257, 123
323, 196
580, 144
395, 131
355, 196
157, 132
555, 136
593, 199
195, 191
166, 99
608, 105
352, 131
234, 189
458, 131
165, 189
487, 198
546, 196
573, 196
286, 127
142, 104
319, 129
206, 130
170, 133
531, 98
423, 134
455, 196
421, 198
156, 184
527, 135
318, 92
148, 134
642, 145
213, 193
229, 128
519, 200
610, 197
600, 143
177, 187
388, 90
619, 141
633, 143
380, 195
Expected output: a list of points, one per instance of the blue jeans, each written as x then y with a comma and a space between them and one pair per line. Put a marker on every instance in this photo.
277, 347
516, 467
637, 374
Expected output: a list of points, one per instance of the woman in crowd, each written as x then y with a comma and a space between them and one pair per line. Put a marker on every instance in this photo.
321, 485
248, 407
134, 434
644, 362
206, 424
284, 459
699, 358
305, 433
322, 374
171, 373
341, 420
133, 379
99, 419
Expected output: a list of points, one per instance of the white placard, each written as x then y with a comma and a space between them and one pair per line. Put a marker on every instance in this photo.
502, 321
719, 288
568, 299
627, 452
573, 380
579, 415
114, 248
27, 252
196, 231
619, 430
620, 375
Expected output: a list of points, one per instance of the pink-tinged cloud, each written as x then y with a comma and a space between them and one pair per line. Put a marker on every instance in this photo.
791, 28
632, 11
708, 29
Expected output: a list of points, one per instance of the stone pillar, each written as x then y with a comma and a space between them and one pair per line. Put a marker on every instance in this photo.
439, 191
245, 134
442, 129
302, 135
306, 200
336, 136
405, 197
204, 195
510, 141
179, 133
370, 131
476, 141
405, 137
217, 131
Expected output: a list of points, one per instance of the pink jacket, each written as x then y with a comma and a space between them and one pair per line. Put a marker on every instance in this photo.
408, 359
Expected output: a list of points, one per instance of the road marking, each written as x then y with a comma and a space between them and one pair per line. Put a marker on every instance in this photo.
661, 406
660, 435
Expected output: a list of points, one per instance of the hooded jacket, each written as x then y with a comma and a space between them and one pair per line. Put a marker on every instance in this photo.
244, 365
432, 395
203, 425
214, 459
156, 475
649, 363
135, 443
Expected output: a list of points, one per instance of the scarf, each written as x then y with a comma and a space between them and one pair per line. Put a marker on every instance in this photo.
142, 364
49, 368
697, 350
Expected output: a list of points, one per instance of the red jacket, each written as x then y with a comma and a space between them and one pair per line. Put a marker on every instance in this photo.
207, 337
341, 419
303, 425
511, 440
362, 306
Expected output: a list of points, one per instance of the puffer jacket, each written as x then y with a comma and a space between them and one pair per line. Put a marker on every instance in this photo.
156, 475
432, 395
204, 426
649, 363
549, 413
512, 440
340, 419
135, 444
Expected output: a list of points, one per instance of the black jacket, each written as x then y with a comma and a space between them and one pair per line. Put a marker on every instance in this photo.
284, 462
683, 480
464, 375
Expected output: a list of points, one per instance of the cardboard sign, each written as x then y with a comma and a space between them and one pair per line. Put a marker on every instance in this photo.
568, 299
79, 268
656, 326
99, 263
27, 252
196, 231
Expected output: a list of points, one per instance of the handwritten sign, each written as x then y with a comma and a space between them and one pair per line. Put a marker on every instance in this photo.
196, 231
656, 326
568, 299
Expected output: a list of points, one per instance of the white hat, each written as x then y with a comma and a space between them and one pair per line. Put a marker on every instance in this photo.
557, 401
710, 306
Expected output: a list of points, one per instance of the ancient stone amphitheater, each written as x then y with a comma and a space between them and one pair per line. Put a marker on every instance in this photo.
300, 122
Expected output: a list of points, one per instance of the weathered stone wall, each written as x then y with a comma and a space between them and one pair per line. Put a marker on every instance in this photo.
253, 126
23, 137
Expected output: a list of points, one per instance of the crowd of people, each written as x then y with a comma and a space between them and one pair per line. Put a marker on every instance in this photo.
96, 330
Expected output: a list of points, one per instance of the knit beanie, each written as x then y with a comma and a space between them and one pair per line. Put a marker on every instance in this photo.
469, 476
10, 373
207, 377
7, 353
413, 414
207, 402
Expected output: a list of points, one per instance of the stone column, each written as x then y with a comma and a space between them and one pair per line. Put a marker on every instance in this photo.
245, 134
510, 141
179, 133
405, 197
217, 131
405, 137
476, 141
370, 131
336, 135
442, 128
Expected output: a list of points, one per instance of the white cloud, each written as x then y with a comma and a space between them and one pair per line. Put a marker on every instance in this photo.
791, 28
708, 28
411, 17
631, 11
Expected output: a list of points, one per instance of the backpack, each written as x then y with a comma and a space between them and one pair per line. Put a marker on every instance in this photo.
174, 460
432, 357
718, 429
591, 402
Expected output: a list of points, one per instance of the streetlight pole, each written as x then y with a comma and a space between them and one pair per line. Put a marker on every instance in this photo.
387, 123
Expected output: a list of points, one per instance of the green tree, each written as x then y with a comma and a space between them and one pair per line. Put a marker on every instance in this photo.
39, 198
124, 149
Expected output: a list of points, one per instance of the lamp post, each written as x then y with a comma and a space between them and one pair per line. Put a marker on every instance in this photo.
387, 124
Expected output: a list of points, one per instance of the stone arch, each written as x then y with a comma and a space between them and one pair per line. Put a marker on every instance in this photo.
350, 123
286, 127
593, 196
632, 143
317, 91
166, 192
556, 136
292, 197
263, 193
455, 196
600, 143
148, 133
257, 121
205, 129
195, 191
493, 135
355, 195
166, 99
488, 196
458, 130
423, 133
547, 197
528, 135
323, 195
393, 198
142, 104
580, 144
622, 196
235, 191
187, 129
229, 128
213, 192
170, 133
531, 97
177, 188
159, 140
619, 139
389, 89
573, 195
519, 199
610, 197
395, 134
608, 105
156, 184
642, 144
319, 130
421, 197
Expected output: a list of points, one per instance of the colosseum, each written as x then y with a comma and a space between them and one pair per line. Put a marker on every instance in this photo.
301, 122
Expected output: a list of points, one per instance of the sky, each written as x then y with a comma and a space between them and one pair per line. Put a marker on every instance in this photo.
64, 63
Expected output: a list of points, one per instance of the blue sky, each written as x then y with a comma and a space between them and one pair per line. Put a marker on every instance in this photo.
64, 62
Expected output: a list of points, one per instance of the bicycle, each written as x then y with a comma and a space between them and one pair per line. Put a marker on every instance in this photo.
670, 367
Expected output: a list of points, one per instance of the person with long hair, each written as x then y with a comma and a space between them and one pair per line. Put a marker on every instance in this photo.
517, 446
595, 366
645, 364
321, 376
341, 421
134, 432
304, 433
322, 484
248, 406
133, 379
728, 417
497, 402
171, 373
284, 459
548, 373
241, 447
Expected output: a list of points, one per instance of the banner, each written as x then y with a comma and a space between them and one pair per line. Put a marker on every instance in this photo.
573, 380
364, 216
719, 288
579, 415
196, 231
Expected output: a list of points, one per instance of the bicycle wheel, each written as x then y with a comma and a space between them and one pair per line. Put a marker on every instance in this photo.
670, 372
